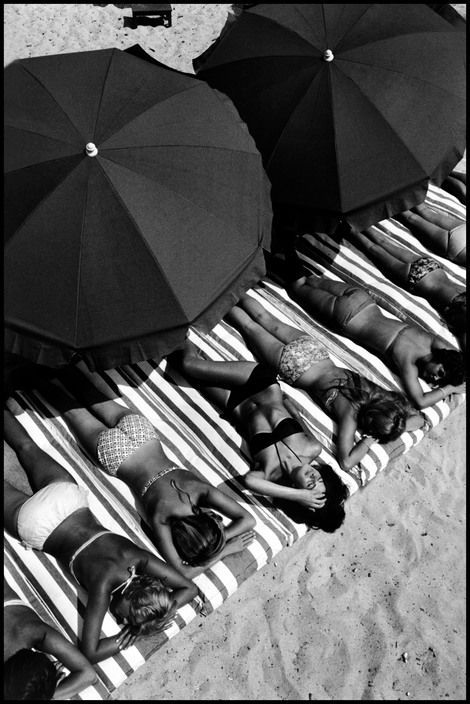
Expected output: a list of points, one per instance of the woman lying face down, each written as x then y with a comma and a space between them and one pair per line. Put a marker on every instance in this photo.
184, 512
115, 572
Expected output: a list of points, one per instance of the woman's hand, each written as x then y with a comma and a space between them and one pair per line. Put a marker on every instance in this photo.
311, 498
239, 542
461, 389
125, 638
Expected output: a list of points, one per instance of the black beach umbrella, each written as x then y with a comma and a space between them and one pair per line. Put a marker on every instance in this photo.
353, 107
136, 205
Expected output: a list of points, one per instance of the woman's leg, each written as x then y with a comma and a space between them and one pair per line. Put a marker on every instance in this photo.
456, 187
437, 217
394, 261
83, 424
13, 499
432, 236
226, 375
265, 345
109, 412
40, 468
318, 296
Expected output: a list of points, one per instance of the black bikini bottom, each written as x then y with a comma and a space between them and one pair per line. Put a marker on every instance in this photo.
260, 378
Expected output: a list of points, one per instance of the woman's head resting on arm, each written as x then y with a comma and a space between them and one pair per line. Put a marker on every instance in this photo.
384, 417
146, 605
331, 515
29, 675
199, 537
444, 367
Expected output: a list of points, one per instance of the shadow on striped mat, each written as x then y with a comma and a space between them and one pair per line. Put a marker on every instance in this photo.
194, 434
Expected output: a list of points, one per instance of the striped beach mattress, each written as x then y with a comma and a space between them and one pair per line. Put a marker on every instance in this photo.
193, 433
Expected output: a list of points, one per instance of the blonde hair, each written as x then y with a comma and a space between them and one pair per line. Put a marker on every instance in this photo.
151, 605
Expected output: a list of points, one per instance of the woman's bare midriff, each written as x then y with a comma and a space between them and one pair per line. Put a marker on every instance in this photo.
374, 331
143, 464
70, 535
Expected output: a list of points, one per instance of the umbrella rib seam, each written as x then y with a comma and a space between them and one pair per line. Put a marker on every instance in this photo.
43, 200
348, 29
41, 134
158, 102
392, 129
52, 98
178, 195
79, 272
193, 146
103, 85
144, 241
399, 73
42, 163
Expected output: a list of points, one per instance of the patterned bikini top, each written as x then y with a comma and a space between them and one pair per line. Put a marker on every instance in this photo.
331, 393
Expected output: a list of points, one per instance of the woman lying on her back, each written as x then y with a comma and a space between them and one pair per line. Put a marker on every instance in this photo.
354, 402
410, 350
140, 590
422, 276
282, 450
179, 505
27, 671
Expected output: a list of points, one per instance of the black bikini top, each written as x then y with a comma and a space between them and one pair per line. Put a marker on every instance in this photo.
284, 429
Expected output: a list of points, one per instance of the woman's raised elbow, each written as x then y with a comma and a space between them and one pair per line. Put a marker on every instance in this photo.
91, 654
346, 463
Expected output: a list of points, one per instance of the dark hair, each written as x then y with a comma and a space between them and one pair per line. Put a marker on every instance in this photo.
151, 605
29, 675
384, 419
453, 364
199, 537
328, 518
455, 314
380, 413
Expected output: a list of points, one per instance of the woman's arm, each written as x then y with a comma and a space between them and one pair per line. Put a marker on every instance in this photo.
82, 673
349, 452
424, 399
94, 648
241, 520
258, 484
167, 549
183, 590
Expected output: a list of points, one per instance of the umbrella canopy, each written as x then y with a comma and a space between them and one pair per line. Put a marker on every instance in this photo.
353, 107
136, 205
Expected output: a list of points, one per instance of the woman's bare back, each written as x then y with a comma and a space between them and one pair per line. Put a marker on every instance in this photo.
110, 554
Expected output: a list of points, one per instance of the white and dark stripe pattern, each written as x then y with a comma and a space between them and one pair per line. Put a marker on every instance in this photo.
195, 436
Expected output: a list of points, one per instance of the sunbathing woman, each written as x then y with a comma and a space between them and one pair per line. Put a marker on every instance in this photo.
140, 590
422, 276
412, 352
443, 234
27, 672
282, 449
179, 505
356, 403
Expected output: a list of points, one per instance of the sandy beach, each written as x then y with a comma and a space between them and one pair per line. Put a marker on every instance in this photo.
375, 611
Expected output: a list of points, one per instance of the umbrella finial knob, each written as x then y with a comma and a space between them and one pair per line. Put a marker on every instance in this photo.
328, 55
90, 149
